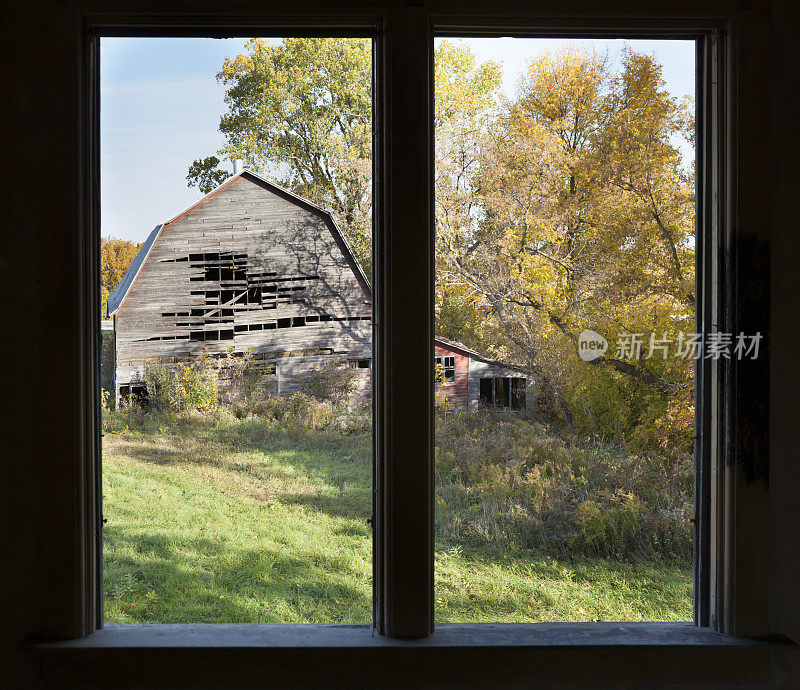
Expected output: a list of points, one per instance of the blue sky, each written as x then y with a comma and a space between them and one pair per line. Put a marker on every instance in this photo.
160, 108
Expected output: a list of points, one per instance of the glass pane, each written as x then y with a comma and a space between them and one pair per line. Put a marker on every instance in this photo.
237, 330
565, 288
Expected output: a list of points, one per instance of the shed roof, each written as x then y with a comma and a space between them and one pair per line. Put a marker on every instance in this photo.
472, 354
117, 298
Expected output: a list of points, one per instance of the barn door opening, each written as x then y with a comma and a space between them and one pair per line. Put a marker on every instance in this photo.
502, 392
487, 391
518, 399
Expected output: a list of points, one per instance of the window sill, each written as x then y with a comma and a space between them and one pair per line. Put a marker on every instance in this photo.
243, 654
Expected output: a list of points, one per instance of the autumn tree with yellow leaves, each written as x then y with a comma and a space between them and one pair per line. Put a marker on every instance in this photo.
585, 221
465, 94
116, 256
301, 111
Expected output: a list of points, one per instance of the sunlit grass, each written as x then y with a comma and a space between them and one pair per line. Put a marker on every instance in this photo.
486, 587
205, 527
216, 519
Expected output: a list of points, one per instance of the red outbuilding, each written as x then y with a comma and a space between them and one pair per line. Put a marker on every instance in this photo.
472, 380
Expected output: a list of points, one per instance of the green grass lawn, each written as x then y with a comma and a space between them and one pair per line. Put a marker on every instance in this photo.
212, 519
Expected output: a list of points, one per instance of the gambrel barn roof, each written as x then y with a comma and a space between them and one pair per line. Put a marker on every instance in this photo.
117, 298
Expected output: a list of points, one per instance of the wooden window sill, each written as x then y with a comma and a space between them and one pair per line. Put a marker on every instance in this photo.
319, 655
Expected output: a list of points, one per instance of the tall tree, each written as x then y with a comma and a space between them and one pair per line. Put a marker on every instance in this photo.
566, 207
302, 111
465, 95
586, 221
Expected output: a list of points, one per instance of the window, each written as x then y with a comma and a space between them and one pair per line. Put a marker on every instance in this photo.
541, 233
447, 366
500, 389
256, 264
404, 578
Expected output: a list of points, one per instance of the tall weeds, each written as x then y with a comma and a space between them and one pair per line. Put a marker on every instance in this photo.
518, 483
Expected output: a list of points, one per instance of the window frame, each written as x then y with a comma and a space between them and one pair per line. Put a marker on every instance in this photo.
732, 440
440, 360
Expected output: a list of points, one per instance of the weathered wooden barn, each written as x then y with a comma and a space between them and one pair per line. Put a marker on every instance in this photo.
470, 379
250, 265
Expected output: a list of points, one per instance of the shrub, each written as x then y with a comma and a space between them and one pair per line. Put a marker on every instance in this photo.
297, 411
352, 422
198, 386
162, 387
514, 481
192, 386
331, 381
610, 527
441, 400
247, 378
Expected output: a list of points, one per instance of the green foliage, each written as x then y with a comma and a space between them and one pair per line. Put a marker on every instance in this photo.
303, 110
609, 527
517, 483
465, 94
198, 387
183, 387
330, 381
297, 410
441, 400
163, 388
247, 379
206, 175
462, 318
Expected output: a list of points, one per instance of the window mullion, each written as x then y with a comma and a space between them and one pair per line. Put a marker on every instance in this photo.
404, 329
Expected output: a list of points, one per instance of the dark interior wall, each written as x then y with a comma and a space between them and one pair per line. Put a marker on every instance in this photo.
40, 61
784, 148
41, 57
